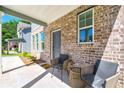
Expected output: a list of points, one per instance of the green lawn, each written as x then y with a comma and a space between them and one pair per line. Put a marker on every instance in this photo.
10, 55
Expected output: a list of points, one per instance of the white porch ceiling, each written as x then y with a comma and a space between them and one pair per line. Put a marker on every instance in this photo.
45, 13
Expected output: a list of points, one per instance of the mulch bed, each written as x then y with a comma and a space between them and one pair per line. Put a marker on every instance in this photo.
39, 62
46, 66
43, 63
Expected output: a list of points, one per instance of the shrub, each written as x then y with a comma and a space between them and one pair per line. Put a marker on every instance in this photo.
27, 55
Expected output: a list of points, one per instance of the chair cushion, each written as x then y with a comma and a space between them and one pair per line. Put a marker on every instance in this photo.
88, 77
62, 58
105, 70
98, 82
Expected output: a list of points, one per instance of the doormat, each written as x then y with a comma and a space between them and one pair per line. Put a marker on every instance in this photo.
46, 66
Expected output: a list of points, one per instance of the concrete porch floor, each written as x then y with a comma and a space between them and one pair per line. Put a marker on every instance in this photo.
17, 75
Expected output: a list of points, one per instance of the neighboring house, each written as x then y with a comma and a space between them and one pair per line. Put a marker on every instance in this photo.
37, 36
12, 44
24, 33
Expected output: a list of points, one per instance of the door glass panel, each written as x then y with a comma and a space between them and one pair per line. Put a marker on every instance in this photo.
56, 44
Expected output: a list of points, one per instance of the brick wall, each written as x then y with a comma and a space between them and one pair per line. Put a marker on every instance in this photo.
108, 37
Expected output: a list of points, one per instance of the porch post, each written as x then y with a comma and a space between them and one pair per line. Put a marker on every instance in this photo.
0, 43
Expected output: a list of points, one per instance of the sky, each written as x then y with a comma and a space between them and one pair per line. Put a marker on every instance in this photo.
7, 18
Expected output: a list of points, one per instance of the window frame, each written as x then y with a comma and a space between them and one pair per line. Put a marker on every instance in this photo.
86, 26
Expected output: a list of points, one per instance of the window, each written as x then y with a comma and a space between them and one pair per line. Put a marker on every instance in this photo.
85, 27
39, 39
37, 45
42, 40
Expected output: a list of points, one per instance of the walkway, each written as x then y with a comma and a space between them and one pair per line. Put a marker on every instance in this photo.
17, 75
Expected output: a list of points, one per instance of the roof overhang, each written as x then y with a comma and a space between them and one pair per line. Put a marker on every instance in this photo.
14, 39
40, 14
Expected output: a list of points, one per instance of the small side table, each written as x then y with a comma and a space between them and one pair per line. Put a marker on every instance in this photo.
74, 78
85, 68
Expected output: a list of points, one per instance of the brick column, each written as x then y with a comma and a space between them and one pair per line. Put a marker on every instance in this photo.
114, 51
0, 43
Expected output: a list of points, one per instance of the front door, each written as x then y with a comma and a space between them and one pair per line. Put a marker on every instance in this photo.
56, 44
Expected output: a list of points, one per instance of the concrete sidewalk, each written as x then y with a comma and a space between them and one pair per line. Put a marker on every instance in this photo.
17, 75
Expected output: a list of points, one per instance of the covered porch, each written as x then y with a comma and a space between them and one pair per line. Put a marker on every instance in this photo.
103, 39
13, 72
31, 16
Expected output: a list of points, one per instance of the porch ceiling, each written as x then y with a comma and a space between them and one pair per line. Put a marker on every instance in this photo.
44, 13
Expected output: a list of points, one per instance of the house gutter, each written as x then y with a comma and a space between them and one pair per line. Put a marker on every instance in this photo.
23, 16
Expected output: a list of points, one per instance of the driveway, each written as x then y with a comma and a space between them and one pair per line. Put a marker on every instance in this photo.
17, 75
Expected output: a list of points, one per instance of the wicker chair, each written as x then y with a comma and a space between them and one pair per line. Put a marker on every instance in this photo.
55, 65
60, 63
68, 64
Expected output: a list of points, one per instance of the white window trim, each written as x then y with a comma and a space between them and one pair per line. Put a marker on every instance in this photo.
85, 27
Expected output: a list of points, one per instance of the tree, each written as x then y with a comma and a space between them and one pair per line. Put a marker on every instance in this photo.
9, 31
